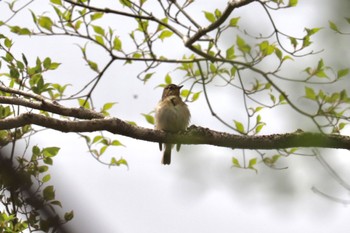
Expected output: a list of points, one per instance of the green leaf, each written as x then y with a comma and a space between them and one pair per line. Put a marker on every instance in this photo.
160, 26
278, 53
115, 162
49, 193
239, 126
235, 162
165, 34
230, 53
43, 168
148, 76
310, 93
103, 149
293, 41
312, 31
69, 216
342, 73
333, 26
95, 16
273, 98
149, 118
126, 3
252, 162
57, 2
54, 65
117, 44
93, 66
20, 31
99, 30
209, 16
234, 22
342, 125
108, 106
168, 79
242, 45
213, 68
195, 96
97, 139
99, 39
259, 128
48, 160
36, 151
47, 63
116, 143
83, 103
55, 202
233, 71
292, 3
45, 22
46, 178
50, 151
8, 43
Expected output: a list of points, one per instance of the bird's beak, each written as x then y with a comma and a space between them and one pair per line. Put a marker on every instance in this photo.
180, 87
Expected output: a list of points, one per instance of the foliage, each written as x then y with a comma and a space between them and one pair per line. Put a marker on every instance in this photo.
237, 66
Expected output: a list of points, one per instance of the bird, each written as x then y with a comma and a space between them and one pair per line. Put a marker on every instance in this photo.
171, 115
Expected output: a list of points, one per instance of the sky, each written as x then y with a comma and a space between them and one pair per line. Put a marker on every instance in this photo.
200, 191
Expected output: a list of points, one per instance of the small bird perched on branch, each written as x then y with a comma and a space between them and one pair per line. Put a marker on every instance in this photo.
172, 115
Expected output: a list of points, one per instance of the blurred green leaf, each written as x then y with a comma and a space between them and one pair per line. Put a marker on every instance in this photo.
57, 2
234, 22
239, 126
115, 162
235, 162
93, 66
333, 26
117, 44
83, 103
168, 79
50, 151
108, 106
230, 53
310, 93
99, 30
116, 143
242, 45
209, 16
49, 193
97, 15
126, 3
149, 118
342, 73
292, 3
45, 22
69, 216
195, 96
165, 34
46, 178
147, 77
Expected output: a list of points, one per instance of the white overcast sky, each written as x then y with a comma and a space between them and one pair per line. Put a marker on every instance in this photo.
199, 192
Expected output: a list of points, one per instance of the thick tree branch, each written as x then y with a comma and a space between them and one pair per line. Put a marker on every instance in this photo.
194, 135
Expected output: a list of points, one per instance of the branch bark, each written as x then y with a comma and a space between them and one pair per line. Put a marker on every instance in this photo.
194, 135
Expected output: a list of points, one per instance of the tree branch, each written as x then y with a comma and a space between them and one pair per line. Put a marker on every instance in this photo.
53, 107
194, 135
231, 5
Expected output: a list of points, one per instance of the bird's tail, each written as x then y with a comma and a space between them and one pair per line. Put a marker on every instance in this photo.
167, 154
